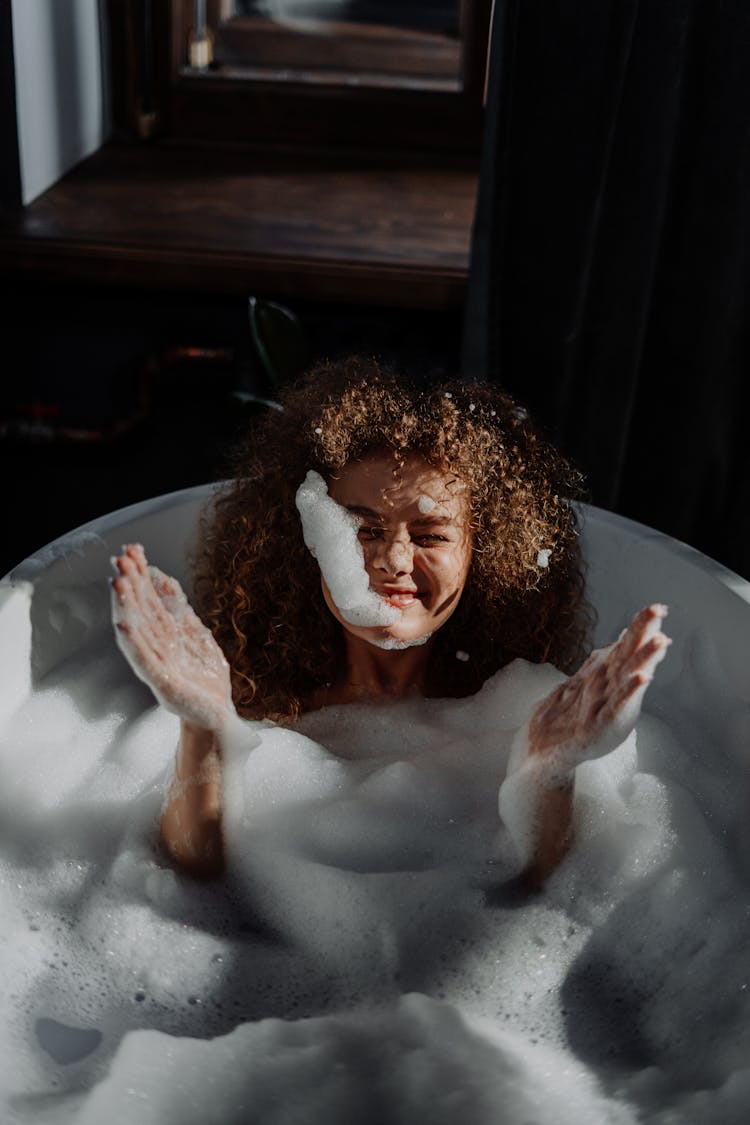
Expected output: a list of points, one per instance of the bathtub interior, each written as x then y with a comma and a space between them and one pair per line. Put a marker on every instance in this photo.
57, 601
55, 605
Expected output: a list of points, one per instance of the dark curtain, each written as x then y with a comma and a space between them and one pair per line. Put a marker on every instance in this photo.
610, 276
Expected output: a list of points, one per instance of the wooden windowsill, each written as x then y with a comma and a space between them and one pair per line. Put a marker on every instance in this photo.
344, 229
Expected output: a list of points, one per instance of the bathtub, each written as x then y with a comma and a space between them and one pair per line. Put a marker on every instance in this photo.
54, 606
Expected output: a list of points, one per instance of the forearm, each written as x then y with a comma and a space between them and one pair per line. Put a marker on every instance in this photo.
552, 829
191, 824
536, 807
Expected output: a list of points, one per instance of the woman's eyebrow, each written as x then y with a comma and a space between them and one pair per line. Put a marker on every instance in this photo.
360, 510
438, 520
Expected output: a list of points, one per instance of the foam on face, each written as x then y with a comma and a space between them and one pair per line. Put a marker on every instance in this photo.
367, 942
426, 504
330, 534
392, 644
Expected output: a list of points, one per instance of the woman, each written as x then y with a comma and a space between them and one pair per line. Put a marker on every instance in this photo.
469, 544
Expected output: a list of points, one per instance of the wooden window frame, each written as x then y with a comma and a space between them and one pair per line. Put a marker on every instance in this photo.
157, 94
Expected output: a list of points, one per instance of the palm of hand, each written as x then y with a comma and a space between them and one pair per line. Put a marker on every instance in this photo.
591, 714
167, 644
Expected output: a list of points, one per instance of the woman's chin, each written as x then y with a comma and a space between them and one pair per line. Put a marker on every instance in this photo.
398, 639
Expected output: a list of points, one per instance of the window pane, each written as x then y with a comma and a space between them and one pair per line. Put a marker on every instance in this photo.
420, 15
367, 42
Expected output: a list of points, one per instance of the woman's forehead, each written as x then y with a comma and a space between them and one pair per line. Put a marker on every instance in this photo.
379, 480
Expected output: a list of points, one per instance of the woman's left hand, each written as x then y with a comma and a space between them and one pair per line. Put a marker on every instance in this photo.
167, 645
596, 709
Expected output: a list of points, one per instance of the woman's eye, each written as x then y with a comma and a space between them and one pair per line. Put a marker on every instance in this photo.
430, 539
370, 532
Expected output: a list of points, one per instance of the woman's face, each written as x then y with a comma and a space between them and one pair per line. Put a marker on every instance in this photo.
416, 538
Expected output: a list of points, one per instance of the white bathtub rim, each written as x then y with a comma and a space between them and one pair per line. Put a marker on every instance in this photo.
104, 526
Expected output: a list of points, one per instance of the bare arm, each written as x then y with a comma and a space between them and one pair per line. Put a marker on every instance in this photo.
171, 650
191, 829
586, 717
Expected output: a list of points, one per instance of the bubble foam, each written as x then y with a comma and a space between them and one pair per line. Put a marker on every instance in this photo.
367, 945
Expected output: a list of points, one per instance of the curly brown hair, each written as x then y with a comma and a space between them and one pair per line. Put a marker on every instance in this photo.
258, 588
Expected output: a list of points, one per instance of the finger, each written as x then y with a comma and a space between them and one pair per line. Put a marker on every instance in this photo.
137, 654
644, 625
624, 657
624, 676
145, 595
651, 619
653, 626
119, 563
140, 607
635, 631
132, 564
124, 602
631, 692
136, 552
127, 566
650, 653
135, 619
151, 649
613, 718
120, 588
164, 584
127, 562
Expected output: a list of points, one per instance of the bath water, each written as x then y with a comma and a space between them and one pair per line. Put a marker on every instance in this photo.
369, 955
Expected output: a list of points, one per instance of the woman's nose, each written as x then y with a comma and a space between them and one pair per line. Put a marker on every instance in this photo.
394, 555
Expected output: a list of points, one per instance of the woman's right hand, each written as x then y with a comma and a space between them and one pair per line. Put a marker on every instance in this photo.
167, 644
595, 710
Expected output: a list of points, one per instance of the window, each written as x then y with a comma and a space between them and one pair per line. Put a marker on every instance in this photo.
323, 74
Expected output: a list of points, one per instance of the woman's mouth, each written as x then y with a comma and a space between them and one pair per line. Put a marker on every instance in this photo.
398, 596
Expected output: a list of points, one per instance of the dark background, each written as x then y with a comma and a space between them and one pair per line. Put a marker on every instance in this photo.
610, 281
609, 290
121, 396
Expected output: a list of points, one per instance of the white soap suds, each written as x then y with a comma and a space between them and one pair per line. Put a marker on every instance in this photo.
330, 534
391, 644
426, 504
461, 655
367, 946
15, 645
542, 558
